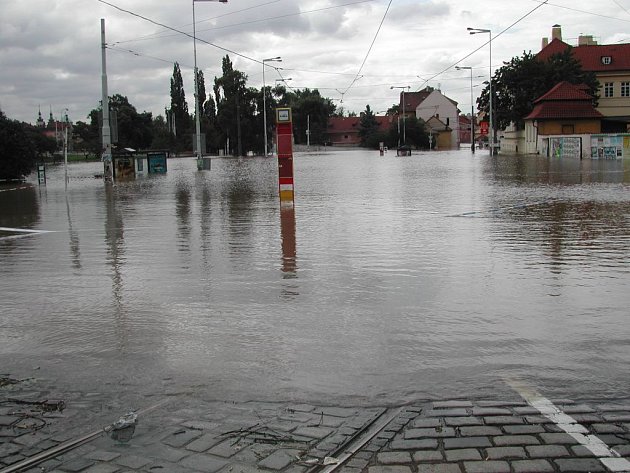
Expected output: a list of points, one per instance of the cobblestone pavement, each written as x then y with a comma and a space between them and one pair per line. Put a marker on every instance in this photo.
188, 434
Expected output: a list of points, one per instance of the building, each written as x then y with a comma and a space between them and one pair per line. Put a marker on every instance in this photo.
431, 103
566, 111
344, 131
55, 129
611, 65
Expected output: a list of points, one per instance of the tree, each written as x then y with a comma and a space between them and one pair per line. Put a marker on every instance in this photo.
368, 126
88, 135
309, 107
17, 151
179, 110
236, 109
517, 84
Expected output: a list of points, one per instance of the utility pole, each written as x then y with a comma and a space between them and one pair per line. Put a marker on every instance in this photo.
106, 155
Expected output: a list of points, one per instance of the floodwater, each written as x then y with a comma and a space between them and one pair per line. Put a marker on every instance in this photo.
438, 275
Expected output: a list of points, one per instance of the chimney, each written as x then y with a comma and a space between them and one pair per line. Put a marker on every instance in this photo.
556, 32
545, 43
586, 40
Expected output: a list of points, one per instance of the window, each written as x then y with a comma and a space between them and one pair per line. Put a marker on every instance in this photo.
609, 89
606, 60
625, 89
567, 129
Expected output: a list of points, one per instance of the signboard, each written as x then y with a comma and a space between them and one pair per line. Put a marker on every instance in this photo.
484, 127
565, 147
284, 140
157, 162
610, 146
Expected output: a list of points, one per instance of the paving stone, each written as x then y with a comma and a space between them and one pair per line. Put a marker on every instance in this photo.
491, 411
200, 425
457, 412
134, 462
390, 469
102, 455
479, 431
279, 459
547, 451
587, 418
225, 449
460, 421
7, 421
586, 465
538, 420
427, 456
551, 438
423, 423
313, 432
607, 429
430, 433
165, 453
202, 462
337, 411
462, 454
167, 467
613, 407
451, 404
581, 451
487, 467
577, 409
444, 468
301, 408
523, 429
358, 463
503, 420
467, 442
103, 468
11, 459
425, 444
616, 417
204, 443
502, 453
612, 439
515, 440
78, 464
393, 458
179, 439
7, 449
526, 410
532, 466
623, 450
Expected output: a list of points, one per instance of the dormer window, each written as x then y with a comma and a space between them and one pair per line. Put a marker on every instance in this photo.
606, 60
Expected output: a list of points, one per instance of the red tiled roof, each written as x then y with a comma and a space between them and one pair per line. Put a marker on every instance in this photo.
413, 99
564, 100
565, 91
353, 124
560, 110
590, 56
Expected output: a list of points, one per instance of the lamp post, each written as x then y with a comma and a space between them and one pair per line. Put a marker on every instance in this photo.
472, 107
477, 31
66, 122
197, 113
271, 59
403, 110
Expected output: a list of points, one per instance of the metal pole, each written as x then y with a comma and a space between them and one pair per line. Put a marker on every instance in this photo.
197, 120
404, 120
264, 109
65, 151
472, 115
490, 89
106, 156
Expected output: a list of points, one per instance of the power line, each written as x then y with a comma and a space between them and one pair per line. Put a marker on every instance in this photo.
178, 31
260, 20
358, 75
491, 39
582, 11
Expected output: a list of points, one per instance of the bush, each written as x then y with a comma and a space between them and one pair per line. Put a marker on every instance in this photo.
17, 151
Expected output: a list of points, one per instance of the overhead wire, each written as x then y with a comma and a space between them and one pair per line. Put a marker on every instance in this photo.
582, 11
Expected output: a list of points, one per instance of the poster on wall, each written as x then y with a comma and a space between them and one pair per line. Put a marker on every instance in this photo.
157, 162
610, 146
565, 147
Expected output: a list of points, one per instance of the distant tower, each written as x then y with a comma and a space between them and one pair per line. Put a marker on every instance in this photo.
51, 120
40, 120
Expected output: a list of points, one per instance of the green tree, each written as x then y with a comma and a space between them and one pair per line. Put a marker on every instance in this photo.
517, 84
309, 106
88, 135
236, 107
368, 126
17, 151
179, 109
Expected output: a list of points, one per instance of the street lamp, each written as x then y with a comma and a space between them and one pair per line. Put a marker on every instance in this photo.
271, 59
477, 31
403, 110
472, 107
197, 113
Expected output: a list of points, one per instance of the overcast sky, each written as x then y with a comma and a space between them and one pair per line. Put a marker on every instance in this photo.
50, 50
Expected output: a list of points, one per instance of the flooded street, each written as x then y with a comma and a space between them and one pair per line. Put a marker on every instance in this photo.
393, 278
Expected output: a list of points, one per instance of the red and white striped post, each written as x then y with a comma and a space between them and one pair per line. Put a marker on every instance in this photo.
284, 140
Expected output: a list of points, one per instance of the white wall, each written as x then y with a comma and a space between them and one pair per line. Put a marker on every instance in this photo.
437, 105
